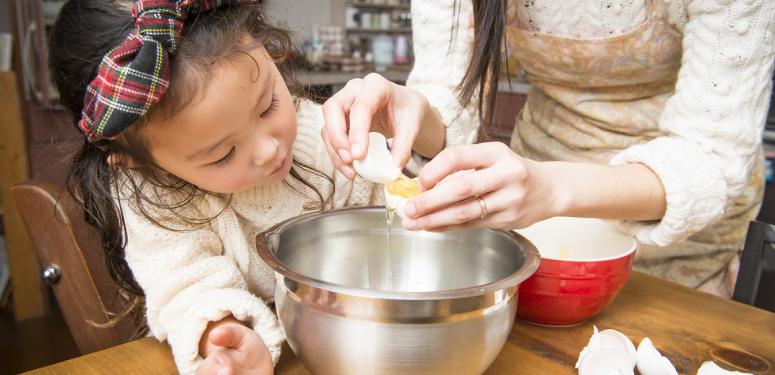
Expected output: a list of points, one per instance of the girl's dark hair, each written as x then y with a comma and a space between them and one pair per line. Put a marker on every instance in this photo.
488, 49
82, 35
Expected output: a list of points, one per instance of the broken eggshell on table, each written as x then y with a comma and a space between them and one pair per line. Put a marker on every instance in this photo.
378, 167
610, 352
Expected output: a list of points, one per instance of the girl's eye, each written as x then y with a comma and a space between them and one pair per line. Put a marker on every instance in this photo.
226, 159
271, 108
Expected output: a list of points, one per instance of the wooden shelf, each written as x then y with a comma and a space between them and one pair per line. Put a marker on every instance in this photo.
359, 30
325, 78
379, 6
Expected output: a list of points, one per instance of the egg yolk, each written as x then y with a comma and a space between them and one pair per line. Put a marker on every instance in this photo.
404, 187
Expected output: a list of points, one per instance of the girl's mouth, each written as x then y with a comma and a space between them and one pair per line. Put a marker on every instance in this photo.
279, 166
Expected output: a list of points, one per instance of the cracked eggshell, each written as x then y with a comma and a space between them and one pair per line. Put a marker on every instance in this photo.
396, 203
608, 353
612, 353
403, 189
651, 362
378, 165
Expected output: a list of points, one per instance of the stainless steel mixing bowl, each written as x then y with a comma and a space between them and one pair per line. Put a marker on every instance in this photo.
353, 301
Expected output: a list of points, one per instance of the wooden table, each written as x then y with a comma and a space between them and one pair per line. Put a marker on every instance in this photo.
687, 326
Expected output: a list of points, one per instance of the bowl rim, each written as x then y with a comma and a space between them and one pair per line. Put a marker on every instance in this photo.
266, 243
634, 245
623, 255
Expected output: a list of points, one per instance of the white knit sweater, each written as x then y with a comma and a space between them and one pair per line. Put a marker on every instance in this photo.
206, 273
714, 119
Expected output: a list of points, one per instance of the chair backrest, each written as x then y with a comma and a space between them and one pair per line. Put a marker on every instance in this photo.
69, 252
756, 279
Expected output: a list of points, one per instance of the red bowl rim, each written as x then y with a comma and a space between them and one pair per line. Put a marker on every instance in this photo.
625, 254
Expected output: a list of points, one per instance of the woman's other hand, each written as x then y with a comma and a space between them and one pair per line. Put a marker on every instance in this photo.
375, 104
487, 185
482, 185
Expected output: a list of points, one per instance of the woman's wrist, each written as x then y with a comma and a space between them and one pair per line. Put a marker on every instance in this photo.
627, 192
559, 197
431, 136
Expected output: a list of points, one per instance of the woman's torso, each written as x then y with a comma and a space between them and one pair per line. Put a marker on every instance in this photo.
601, 73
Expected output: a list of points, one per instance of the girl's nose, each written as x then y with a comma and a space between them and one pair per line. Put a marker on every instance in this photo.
266, 150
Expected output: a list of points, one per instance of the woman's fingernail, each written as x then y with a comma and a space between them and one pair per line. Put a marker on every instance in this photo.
224, 371
409, 224
356, 149
344, 155
410, 210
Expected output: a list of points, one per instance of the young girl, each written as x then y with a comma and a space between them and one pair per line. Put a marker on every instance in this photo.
194, 145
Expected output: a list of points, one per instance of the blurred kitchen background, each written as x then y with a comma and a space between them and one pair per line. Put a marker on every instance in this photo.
345, 39
338, 40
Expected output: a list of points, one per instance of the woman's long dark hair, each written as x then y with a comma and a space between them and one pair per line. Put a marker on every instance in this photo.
84, 32
482, 75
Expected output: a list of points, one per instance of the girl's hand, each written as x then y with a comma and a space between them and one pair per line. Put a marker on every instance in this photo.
515, 192
376, 104
231, 348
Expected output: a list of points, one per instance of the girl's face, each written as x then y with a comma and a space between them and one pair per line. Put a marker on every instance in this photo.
237, 134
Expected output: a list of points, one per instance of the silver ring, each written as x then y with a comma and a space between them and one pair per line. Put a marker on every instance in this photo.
483, 206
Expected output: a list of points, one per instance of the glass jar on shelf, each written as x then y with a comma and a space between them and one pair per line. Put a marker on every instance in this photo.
382, 51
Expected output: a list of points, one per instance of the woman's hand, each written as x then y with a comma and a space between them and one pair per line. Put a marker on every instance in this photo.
488, 186
376, 104
231, 348
482, 185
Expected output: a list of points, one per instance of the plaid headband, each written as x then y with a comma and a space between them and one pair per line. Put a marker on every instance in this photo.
133, 76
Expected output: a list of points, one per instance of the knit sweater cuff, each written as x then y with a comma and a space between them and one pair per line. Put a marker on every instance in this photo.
462, 124
443, 35
695, 190
213, 306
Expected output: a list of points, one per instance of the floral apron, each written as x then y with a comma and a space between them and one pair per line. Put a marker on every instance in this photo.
592, 98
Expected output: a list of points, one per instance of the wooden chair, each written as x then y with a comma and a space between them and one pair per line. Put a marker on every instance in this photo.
756, 279
73, 264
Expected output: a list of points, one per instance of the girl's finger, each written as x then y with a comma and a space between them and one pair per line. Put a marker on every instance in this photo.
228, 335
216, 363
225, 370
335, 115
373, 96
208, 366
226, 364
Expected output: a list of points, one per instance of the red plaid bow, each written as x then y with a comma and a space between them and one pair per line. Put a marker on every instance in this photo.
133, 76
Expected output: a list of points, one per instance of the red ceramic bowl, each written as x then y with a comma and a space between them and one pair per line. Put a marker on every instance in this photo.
584, 264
